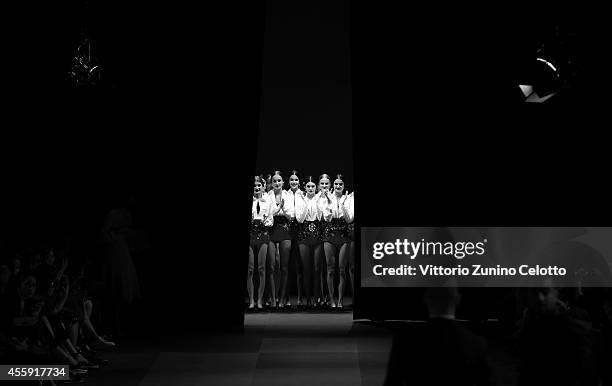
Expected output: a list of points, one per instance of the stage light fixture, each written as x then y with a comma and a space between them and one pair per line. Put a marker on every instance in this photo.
543, 83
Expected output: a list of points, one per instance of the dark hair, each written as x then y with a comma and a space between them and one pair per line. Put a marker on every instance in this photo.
324, 176
295, 173
307, 180
46, 249
24, 276
260, 179
339, 177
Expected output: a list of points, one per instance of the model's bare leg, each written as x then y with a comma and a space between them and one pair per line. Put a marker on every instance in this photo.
342, 260
299, 273
271, 266
277, 272
330, 258
261, 268
306, 258
351, 262
250, 278
318, 271
285, 253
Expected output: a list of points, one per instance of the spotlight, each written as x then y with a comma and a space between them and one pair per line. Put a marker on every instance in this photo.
85, 69
543, 81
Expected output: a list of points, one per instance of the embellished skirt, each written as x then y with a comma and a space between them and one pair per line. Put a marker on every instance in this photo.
335, 232
280, 229
309, 233
294, 229
351, 231
259, 233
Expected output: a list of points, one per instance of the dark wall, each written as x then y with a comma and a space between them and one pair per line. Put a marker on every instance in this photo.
439, 121
176, 113
306, 95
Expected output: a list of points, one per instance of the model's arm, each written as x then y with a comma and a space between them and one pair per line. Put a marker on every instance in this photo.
269, 218
324, 206
349, 212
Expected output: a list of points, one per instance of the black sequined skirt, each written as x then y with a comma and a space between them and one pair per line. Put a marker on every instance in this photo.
309, 233
259, 233
336, 231
280, 229
294, 229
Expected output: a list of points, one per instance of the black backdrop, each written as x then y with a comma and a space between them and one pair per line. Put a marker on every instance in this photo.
439, 121
174, 121
306, 95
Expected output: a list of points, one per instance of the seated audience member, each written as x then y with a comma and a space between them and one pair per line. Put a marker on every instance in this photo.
47, 273
15, 266
8, 294
440, 352
34, 259
48, 323
555, 348
14, 306
79, 304
607, 340
5, 279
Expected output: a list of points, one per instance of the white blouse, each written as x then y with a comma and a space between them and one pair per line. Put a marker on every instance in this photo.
349, 208
306, 209
290, 204
265, 210
287, 209
333, 207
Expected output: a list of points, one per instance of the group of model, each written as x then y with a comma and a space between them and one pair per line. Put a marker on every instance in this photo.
314, 214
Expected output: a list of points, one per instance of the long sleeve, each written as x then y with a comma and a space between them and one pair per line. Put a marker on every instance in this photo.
336, 208
301, 208
349, 209
290, 202
324, 206
275, 208
319, 215
262, 210
269, 218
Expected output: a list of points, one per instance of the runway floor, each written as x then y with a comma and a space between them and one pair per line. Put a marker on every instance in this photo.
275, 349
